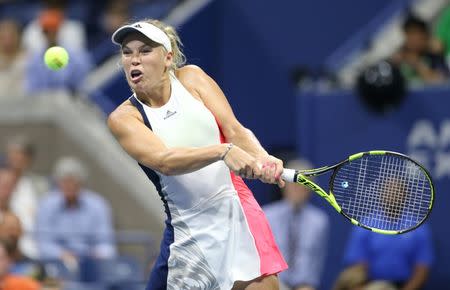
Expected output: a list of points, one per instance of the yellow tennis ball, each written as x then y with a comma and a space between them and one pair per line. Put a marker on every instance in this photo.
56, 58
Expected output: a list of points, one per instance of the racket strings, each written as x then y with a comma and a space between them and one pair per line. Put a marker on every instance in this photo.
383, 191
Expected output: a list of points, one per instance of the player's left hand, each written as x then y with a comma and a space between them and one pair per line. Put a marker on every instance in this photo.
272, 168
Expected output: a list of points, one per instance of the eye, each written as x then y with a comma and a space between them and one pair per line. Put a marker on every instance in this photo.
126, 51
146, 49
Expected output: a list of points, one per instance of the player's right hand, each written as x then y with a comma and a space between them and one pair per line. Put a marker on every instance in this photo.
271, 171
242, 163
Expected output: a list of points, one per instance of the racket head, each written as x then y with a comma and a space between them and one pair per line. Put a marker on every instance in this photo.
383, 191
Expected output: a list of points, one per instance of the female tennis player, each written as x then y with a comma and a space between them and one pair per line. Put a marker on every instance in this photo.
180, 128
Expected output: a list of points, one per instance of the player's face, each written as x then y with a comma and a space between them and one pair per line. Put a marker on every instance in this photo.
145, 62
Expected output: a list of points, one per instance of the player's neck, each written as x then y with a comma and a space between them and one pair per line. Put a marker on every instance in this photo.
158, 96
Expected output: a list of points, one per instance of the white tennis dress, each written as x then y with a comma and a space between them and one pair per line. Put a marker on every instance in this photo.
216, 232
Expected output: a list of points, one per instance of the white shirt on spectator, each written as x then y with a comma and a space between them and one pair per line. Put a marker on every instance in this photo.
24, 201
70, 34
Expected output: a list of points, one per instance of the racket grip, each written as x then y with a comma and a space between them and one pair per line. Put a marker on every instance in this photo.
288, 175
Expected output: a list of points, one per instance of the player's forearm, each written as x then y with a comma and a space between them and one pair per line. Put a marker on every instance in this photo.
247, 141
175, 161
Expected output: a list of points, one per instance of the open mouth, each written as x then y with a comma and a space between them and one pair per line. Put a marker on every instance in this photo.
136, 75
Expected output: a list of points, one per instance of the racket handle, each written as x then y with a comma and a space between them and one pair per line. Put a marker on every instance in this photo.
288, 175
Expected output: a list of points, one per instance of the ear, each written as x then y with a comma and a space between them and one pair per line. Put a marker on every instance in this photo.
168, 59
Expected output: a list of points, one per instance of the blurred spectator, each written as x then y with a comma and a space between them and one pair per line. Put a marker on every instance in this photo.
402, 260
11, 230
353, 278
74, 222
39, 78
9, 281
12, 60
29, 188
8, 181
70, 33
115, 15
301, 232
417, 62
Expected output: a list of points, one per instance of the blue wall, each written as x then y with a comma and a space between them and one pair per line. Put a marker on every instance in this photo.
333, 126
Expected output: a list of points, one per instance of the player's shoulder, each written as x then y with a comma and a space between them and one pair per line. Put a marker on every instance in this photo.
124, 109
190, 70
191, 74
123, 113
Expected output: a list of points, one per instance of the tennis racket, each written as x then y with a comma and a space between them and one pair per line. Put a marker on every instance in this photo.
382, 191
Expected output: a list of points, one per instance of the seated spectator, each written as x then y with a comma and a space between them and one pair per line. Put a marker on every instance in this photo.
301, 232
10, 281
8, 181
29, 188
11, 230
403, 260
39, 78
417, 62
70, 33
73, 222
12, 60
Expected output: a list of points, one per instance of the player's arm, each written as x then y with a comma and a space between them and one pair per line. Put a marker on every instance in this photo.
143, 145
204, 87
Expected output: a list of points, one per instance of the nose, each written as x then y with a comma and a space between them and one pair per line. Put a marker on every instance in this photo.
135, 60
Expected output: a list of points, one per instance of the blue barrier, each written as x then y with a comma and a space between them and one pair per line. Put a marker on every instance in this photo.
333, 126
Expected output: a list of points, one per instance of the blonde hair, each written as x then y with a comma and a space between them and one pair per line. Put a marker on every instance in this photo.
179, 59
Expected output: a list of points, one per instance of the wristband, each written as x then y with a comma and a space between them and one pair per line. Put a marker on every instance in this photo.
229, 146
